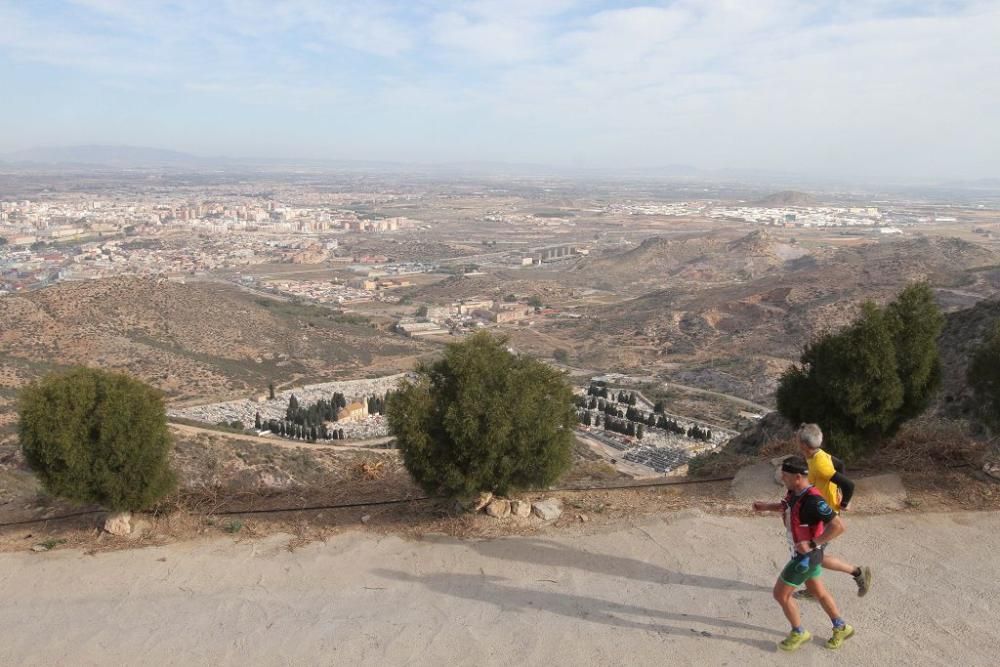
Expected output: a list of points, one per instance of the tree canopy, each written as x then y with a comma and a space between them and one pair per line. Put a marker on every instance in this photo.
484, 419
97, 437
862, 383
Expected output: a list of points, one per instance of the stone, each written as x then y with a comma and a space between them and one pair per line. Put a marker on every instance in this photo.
38, 548
499, 508
755, 482
992, 468
583, 518
880, 493
520, 508
119, 523
482, 501
549, 509
366, 518
140, 528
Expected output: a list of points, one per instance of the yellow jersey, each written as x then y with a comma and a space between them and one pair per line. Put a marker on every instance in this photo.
821, 472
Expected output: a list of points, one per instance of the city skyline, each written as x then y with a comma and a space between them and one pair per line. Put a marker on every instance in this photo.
874, 90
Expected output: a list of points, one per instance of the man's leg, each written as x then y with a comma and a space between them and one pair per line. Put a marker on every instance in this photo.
818, 591
841, 630
783, 595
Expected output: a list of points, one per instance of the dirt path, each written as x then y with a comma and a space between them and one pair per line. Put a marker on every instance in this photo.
680, 589
282, 442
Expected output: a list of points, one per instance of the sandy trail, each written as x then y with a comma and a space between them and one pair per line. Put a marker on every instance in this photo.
681, 589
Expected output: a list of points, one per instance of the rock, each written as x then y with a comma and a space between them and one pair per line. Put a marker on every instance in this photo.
583, 518
119, 523
366, 518
38, 548
482, 501
755, 482
140, 528
880, 493
549, 509
992, 469
776, 462
520, 508
499, 508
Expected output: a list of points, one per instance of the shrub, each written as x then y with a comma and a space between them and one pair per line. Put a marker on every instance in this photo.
983, 376
97, 437
862, 383
483, 419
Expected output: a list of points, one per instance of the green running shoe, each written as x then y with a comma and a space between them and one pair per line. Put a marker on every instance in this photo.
840, 635
794, 640
864, 581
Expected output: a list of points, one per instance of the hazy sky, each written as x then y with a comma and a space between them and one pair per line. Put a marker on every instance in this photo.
868, 89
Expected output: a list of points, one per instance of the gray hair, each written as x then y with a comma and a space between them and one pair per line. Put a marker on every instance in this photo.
811, 434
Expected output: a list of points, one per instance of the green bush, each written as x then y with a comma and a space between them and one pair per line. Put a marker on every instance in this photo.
862, 383
983, 376
97, 437
483, 419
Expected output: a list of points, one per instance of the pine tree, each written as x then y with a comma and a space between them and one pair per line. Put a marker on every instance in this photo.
270, 390
849, 383
639, 431
256, 421
915, 322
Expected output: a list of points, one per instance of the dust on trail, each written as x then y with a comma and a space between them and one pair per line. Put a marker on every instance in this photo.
681, 588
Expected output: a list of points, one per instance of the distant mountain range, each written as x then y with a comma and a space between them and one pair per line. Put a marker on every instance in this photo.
123, 157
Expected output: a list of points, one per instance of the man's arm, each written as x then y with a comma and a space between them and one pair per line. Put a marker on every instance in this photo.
846, 487
834, 529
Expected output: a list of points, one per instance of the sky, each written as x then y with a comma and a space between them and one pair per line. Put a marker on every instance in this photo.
870, 89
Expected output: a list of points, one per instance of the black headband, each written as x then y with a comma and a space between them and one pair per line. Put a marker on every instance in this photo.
793, 467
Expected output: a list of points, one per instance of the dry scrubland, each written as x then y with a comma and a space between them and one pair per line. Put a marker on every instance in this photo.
193, 341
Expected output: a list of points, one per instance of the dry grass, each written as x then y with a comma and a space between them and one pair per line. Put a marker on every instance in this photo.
930, 445
370, 469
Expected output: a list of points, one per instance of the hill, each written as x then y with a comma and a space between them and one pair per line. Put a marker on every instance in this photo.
701, 259
786, 198
738, 337
121, 157
192, 341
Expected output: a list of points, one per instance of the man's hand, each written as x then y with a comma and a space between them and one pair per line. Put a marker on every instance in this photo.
803, 547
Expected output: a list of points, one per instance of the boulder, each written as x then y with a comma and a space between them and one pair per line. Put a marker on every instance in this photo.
992, 468
482, 501
549, 509
499, 508
119, 523
755, 482
880, 493
520, 508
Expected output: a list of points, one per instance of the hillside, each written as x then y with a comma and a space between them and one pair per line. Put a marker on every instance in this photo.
738, 338
786, 198
717, 258
193, 340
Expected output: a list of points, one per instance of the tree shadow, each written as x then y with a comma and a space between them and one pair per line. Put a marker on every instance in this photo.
491, 590
541, 552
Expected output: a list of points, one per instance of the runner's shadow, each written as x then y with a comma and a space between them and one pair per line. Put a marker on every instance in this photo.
492, 590
541, 552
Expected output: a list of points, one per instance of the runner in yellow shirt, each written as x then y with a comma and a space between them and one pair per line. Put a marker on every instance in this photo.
837, 490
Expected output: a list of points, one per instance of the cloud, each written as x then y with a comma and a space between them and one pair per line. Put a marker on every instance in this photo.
880, 87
